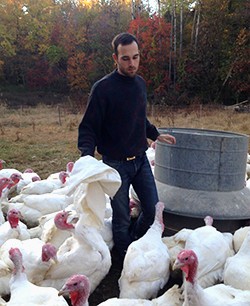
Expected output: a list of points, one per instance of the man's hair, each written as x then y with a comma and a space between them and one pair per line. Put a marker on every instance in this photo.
123, 39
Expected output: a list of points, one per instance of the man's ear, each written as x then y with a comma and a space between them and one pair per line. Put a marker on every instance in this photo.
114, 57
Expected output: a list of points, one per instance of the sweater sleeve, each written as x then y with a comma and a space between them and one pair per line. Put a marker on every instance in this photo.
151, 131
90, 126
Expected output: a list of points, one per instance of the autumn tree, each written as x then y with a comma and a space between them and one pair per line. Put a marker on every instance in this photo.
153, 35
189, 49
210, 39
111, 19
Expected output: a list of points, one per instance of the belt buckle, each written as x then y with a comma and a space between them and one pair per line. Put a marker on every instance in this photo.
130, 158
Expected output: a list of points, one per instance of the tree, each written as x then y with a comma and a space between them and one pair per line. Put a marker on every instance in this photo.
109, 20
154, 42
238, 74
189, 49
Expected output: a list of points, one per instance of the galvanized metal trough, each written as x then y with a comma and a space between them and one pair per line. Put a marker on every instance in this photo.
203, 174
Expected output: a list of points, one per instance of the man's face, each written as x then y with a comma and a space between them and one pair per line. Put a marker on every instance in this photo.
128, 59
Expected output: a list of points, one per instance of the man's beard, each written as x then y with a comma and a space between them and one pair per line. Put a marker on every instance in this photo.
130, 72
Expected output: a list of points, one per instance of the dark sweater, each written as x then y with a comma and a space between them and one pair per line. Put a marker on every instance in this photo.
115, 119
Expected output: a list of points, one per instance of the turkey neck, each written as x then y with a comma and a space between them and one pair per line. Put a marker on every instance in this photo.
158, 224
78, 299
191, 272
193, 293
18, 274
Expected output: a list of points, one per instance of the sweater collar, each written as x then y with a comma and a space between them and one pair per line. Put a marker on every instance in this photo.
124, 78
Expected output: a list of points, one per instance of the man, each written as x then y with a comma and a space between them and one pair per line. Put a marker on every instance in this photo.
115, 122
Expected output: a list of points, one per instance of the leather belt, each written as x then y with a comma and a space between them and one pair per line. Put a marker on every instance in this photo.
129, 158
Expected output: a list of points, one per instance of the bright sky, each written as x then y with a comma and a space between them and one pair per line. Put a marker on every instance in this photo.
153, 4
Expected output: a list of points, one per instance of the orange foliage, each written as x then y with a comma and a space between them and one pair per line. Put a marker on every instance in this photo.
154, 40
79, 67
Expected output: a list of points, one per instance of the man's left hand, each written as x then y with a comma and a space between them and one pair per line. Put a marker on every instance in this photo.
167, 138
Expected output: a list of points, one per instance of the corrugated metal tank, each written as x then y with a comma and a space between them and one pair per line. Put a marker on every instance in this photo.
203, 174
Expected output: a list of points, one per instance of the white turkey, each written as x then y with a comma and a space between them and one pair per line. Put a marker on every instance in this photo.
239, 236
45, 186
28, 176
49, 233
140, 278
37, 258
4, 182
78, 289
24, 293
237, 267
34, 206
13, 227
205, 241
216, 295
175, 243
7, 172
105, 230
69, 168
90, 180
172, 297
11, 187
78, 254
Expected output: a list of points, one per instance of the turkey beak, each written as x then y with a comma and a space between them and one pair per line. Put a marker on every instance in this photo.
63, 291
60, 293
177, 264
72, 217
54, 260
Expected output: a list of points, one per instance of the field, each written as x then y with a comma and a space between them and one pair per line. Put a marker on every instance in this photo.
44, 138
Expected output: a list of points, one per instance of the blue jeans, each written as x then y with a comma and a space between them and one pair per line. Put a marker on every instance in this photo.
138, 173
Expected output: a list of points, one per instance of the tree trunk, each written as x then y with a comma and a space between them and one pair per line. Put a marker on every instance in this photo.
181, 27
171, 42
174, 43
195, 27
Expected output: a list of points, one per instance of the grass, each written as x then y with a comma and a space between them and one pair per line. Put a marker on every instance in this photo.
44, 138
